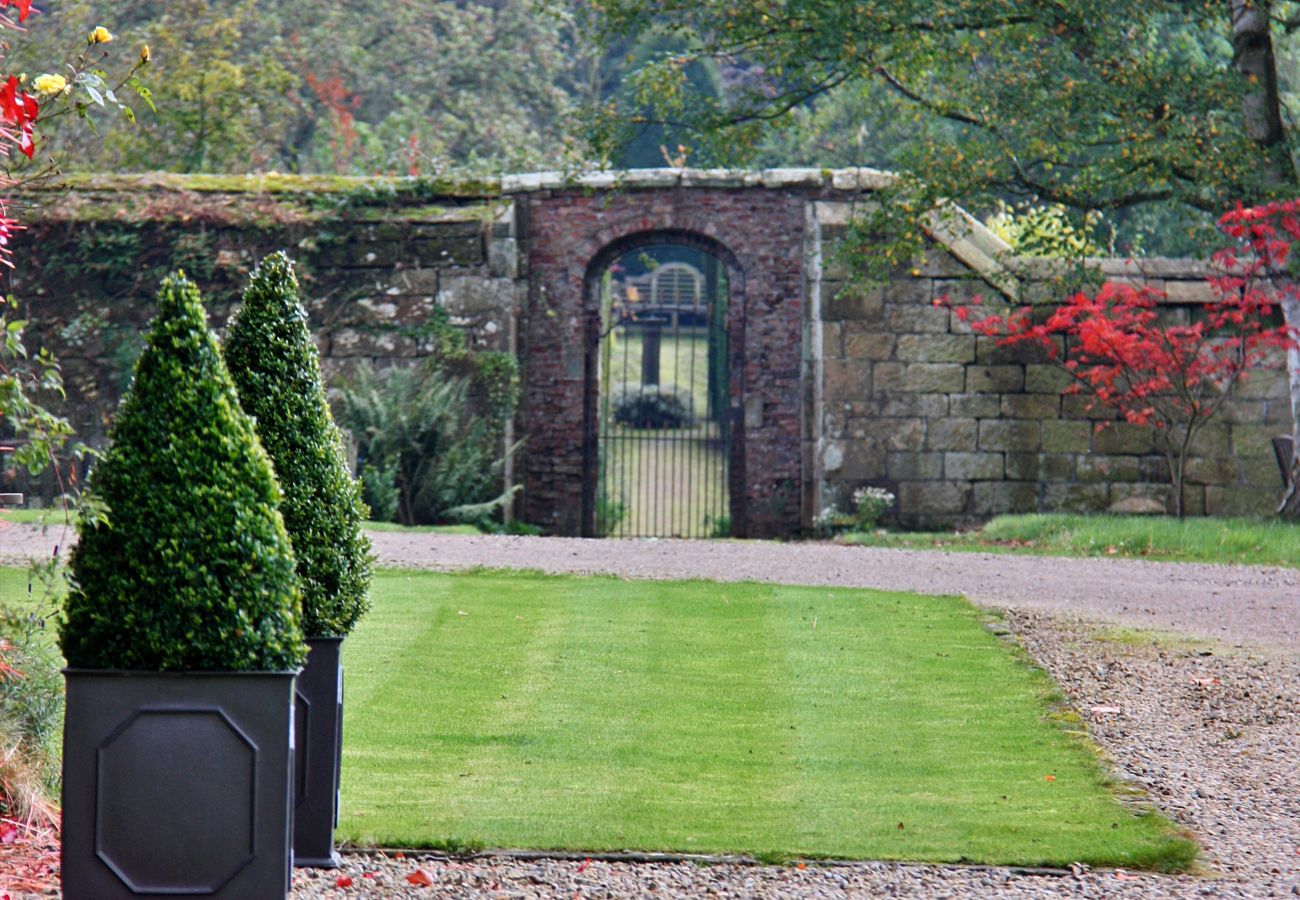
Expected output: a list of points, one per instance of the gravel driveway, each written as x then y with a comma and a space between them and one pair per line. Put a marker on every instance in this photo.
1211, 731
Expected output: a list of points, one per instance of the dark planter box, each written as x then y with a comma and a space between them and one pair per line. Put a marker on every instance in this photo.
177, 785
318, 721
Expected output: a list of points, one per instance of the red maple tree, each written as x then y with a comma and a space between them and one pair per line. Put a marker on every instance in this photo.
1128, 359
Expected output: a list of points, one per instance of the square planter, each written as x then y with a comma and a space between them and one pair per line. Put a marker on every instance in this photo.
318, 721
177, 784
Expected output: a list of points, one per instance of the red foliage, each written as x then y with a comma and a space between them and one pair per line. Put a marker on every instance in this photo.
1150, 372
24, 7
19, 109
420, 878
1126, 357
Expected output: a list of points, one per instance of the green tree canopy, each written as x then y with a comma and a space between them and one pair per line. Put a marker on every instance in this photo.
1155, 108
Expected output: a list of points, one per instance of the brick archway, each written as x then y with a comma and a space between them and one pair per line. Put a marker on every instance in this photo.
759, 235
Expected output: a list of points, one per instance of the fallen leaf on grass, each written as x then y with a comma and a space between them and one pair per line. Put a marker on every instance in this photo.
420, 878
1049, 777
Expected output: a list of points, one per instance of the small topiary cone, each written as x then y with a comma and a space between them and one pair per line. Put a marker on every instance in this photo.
276, 368
193, 569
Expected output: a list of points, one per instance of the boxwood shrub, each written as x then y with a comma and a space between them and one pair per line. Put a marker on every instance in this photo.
276, 368
191, 568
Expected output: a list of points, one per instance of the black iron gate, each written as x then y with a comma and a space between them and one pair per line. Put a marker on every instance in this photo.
663, 443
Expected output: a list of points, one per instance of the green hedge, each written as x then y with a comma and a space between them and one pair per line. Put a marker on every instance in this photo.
276, 368
192, 568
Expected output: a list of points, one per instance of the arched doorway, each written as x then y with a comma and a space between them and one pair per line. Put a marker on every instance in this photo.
661, 414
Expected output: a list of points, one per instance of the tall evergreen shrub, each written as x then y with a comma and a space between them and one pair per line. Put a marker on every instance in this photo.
276, 368
192, 568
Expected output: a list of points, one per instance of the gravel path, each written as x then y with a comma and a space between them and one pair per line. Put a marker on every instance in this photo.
1210, 731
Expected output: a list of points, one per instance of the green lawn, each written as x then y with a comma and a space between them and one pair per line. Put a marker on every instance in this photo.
520, 710
52, 517
1238, 541
420, 529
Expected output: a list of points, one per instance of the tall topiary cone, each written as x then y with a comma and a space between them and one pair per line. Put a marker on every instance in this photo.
193, 569
276, 368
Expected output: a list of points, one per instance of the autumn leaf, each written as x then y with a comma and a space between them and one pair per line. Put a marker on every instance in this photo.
420, 878
344, 881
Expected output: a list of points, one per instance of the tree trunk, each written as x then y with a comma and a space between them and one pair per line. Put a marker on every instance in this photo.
1253, 58
1290, 505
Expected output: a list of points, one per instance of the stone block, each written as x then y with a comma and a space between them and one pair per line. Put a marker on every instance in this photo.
1142, 490
936, 348
1215, 439
1153, 467
902, 434
994, 379
862, 344
1211, 470
1060, 436
1244, 412
938, 263
1254, 440
862, 460
929, 378
1031, 406
1010, 435
915, 318
853, 303
1066, 497
952, 434
1239, 501
993, 498
972, 466
1263, 386
989, 352
912, 466
930, 406
976, 406
1194, 499
1278, 412
1083, 406
1100, 467
1260, 471
845, 379
1046, 379
919, 499
907, 291
1122, 437
1190, 292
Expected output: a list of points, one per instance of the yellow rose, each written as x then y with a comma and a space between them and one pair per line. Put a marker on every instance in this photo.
100, 35
50, 84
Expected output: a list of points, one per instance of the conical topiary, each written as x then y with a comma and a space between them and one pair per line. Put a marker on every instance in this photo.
192, 569
276, 368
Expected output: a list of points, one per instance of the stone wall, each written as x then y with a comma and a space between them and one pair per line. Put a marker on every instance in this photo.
961, 429
833, 387
374, 260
